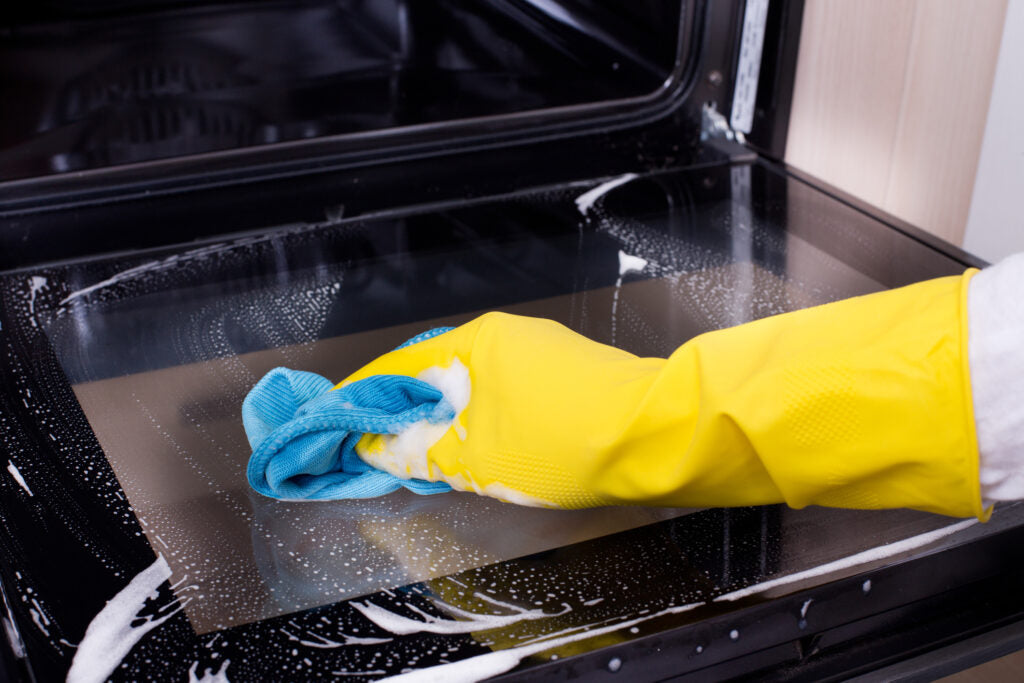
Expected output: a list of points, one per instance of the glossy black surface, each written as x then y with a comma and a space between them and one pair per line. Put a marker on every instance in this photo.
87, 90
723, 244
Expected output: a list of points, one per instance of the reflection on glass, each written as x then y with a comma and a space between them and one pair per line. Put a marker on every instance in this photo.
132, 86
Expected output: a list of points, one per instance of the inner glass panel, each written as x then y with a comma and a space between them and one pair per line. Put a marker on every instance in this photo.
162, 350
89, 89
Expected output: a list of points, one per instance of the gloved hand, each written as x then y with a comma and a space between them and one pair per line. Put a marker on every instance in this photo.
862, 403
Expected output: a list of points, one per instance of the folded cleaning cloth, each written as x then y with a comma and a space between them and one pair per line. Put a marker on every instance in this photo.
303, 434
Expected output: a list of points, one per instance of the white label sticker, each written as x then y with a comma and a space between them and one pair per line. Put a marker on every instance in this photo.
755, 17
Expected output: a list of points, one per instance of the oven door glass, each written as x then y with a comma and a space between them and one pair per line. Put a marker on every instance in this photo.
125, 473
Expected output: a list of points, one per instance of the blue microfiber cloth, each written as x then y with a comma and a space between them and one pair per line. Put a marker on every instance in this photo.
303, 435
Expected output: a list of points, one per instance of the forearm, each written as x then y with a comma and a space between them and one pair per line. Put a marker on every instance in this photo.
862, 403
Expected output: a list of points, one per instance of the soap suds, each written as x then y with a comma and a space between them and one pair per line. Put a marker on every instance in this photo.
864, 557
14, 639
498, 662
627, 263
510, 495
402, 625
322, 643
35, 284
42, 622
405, 454
154, 266
586, 200
118, 277
110, 635
17, 477
209, 675
454, 383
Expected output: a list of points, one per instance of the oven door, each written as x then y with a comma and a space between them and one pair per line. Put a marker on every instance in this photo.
134, 548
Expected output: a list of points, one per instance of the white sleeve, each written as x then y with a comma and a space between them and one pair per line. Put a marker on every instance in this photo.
995, 347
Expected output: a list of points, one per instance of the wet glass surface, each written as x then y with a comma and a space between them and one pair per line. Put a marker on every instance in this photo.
124, 379
86, 90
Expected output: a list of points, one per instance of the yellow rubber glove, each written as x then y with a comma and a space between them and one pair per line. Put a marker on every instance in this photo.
861, 403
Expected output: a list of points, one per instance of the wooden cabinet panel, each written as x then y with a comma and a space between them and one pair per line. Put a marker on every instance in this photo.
890, 102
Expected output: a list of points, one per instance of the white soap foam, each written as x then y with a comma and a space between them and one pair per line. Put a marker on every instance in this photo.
219, 675
40, 618
627, 263
153, 266
118, 277
468, 622
35, 284
110, 635
17, 477
586, 200
318, 641
14, 638
494, 663
510, 495
405, 454
864, 557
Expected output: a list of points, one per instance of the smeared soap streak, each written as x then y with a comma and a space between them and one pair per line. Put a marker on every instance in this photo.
150, 266
209, 675
494, 663
110, 635
17, 477
42, 622
402, 625
323, 643
35, 284
627, 264
13, 637
586, 200
864, 557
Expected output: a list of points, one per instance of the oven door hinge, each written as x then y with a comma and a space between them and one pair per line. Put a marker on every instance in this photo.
716, 132
714, 125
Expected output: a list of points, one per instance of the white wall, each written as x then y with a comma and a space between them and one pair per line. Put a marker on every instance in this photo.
995, 223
